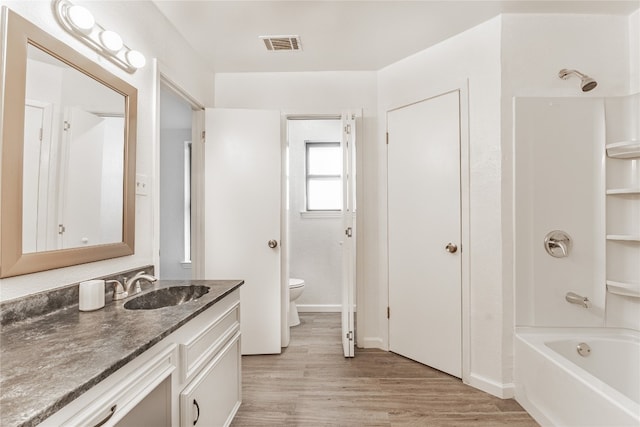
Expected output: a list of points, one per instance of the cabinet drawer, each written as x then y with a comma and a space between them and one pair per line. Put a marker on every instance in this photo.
120, 397
195, 353
214, 396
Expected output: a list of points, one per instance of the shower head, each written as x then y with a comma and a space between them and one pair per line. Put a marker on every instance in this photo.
587, 83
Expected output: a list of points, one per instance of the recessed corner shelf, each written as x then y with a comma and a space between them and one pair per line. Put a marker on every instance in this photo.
614, 191
624, 149
626, 289
626, 237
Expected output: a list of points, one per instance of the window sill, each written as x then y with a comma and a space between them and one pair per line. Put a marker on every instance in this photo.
320, 214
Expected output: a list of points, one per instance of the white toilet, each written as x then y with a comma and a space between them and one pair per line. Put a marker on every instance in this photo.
296, 286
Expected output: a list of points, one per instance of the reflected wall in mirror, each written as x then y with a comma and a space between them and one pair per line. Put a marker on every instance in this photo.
73, 158
68, 162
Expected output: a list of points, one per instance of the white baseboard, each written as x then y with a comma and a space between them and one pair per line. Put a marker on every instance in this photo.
373, 342
319, 308
503, 391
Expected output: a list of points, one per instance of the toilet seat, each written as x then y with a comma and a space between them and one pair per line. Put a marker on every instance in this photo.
295, 283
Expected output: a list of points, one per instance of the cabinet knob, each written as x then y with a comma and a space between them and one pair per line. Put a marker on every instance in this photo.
272, 243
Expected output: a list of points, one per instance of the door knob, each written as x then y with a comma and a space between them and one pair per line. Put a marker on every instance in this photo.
273, 243
451, 248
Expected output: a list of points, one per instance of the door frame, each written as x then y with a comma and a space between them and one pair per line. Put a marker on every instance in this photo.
161, 78
463, 87
336, 113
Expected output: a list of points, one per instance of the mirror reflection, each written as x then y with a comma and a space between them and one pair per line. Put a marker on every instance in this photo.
73, 163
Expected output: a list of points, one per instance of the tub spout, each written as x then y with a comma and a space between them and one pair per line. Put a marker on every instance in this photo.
574, 298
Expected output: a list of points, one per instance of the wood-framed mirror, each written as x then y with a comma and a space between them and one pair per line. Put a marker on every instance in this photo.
68, 130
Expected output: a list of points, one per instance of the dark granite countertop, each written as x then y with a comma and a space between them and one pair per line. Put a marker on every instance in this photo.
48, 361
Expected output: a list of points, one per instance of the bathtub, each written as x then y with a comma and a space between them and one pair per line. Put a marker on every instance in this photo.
559, 387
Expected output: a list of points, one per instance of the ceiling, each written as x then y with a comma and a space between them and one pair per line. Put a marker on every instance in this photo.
341, 35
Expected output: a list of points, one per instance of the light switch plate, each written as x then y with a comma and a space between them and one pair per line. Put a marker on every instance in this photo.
142, 184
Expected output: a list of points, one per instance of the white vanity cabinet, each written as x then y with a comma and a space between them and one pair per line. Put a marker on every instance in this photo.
113, 398
191, 377
211, 371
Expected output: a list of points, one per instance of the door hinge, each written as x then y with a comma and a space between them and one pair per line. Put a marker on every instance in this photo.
66, 125
388, 313
40, 135
387, 138
347, 129
350, 335
348, 232
203, 135
61, 229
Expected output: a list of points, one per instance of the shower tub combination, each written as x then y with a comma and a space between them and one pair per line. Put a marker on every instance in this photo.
579, 376
571, 370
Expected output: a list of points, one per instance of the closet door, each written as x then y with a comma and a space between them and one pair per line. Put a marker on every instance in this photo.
424, 220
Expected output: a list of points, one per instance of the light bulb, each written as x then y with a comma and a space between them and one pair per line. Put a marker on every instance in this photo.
136, 59
80, 18
111, 40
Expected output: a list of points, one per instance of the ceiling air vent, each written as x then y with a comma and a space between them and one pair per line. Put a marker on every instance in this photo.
274, 43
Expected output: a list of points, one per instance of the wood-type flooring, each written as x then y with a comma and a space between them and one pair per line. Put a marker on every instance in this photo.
312, 384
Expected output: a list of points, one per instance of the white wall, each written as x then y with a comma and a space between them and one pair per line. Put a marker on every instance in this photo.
472, 55
634, 52
328, 93
315, 254
154, 37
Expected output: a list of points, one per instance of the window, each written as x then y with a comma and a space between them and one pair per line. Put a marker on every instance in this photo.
324, 176
187, 202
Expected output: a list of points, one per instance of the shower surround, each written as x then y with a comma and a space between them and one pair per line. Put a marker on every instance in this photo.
577, 170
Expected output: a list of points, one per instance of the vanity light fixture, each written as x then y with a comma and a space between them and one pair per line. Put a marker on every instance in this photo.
111, 40
79, 22
81, 19
136, 59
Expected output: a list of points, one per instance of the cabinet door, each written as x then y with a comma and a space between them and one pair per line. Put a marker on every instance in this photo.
153, 411
213, 397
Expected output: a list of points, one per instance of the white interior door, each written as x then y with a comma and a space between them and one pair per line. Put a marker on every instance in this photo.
242, 180
424, 220
80, 219
349, 242
34, 180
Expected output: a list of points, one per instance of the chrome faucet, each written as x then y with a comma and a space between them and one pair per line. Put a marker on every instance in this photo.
560, 244
557, 243
121, 291
574, 298
135, 281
